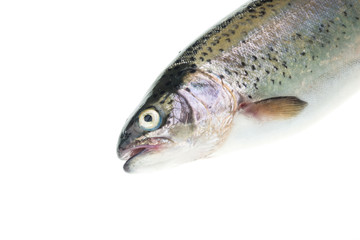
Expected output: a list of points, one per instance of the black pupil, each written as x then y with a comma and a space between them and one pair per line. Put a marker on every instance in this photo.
148, 118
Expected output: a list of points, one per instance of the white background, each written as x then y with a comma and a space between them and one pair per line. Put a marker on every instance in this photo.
71, 72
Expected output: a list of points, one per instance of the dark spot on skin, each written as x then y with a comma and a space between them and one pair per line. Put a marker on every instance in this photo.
227, 71
243, 64
125, 135
258, 79
187, 89
280, 83
290, 77
345, 14
194, 66
254, 58
343, 25
299, 35
192, 59
204, 53
232, 32
250, 96
273, 81
343, 32
271, 49
201, 58
162, 102
255, 85
222, 76
302, 54
228, 40
192, 71
313, 58
179, 74
244, 84
210, 49
284, 64
238, 84
283, 74
170, 102
276, 68
221, 50
253, 67
267, 71
246, 73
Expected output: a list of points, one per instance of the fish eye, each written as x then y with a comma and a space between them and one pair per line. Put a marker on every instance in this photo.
149, 119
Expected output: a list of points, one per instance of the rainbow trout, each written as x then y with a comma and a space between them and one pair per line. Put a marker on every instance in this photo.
270, 60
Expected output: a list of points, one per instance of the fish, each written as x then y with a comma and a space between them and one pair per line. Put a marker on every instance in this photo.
268, 61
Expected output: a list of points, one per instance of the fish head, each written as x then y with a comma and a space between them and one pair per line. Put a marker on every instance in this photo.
175, 123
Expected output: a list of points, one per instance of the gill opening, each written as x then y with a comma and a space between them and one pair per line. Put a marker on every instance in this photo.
227, 88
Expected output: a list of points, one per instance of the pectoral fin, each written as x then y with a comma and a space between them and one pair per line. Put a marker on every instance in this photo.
274, 108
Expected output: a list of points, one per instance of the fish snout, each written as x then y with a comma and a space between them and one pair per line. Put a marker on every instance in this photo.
120, 152
123, 144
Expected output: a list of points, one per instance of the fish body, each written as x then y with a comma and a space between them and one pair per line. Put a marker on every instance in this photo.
269, 60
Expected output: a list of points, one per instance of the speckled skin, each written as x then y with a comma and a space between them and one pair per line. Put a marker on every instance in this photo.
276, 48
266, 49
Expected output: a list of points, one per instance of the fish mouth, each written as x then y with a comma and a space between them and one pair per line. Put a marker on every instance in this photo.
140, 147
